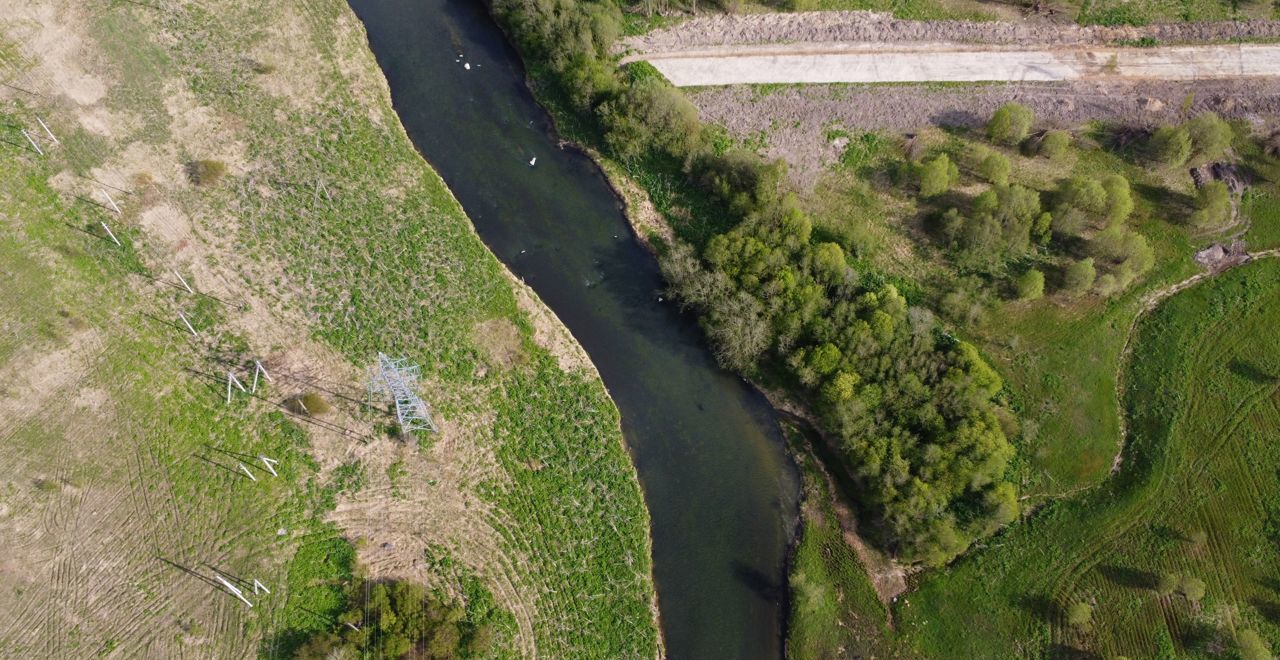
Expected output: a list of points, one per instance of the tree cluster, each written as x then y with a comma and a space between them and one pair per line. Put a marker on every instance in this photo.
1205, 137
1008, 223
399, 619
914, 409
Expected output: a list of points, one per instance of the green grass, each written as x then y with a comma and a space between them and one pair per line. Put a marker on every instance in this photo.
1196, 495
356, 259
835, 611
1117, 12
1263, 211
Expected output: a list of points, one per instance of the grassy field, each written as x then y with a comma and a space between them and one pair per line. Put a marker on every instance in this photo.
121, 462
326, 240
1196, 496
1117, 12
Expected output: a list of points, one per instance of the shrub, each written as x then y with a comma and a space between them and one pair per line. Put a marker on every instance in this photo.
1030, 285
1213, 205
1055, 144
1010, 124
206, 172
1079, 614
1167, 583
937, 175
1079, 276
1170, 146
1210, 136
995, 169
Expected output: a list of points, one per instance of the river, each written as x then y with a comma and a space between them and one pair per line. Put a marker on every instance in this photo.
720, 489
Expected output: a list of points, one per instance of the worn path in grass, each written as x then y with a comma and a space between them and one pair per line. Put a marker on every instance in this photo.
945, 62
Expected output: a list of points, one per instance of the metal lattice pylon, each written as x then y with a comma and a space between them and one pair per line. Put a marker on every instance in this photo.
399, 379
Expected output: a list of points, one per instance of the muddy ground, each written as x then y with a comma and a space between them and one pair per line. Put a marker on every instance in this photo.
865, 26
795, 120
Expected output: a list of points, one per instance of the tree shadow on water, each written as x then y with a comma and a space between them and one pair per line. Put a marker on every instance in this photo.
759, 583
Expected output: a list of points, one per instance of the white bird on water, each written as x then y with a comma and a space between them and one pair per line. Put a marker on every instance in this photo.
533, 161
467, 66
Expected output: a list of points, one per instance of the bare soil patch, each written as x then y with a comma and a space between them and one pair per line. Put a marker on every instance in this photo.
877, 27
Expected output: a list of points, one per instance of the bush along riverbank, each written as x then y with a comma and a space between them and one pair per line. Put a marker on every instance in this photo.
916, 414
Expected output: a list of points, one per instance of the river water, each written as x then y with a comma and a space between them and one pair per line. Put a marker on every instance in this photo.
721, 492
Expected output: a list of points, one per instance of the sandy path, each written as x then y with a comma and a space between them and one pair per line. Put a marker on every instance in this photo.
940, 62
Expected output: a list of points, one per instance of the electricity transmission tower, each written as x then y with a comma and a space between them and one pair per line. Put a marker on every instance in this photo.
399, 379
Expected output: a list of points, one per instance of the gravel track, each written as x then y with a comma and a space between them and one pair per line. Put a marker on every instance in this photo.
946, 62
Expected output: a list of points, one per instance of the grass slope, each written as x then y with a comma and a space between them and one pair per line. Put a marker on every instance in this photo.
1196, 496
332, 228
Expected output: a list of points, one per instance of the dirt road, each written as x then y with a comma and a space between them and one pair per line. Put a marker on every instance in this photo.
943, 62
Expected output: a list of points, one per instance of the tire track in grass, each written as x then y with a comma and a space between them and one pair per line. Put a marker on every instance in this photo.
1207, 345
1123, 522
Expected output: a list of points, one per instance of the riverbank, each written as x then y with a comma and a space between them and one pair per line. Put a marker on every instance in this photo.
651, 229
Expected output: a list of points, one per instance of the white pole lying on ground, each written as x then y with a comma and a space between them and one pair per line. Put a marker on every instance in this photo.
258, 585
110, 201
234, 591
231, 378
35, 146
270, 463
259, 369
110, 233
188, 324
47, 131
183, 280
246, 471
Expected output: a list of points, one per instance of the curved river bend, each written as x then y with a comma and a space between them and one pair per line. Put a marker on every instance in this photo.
720, 489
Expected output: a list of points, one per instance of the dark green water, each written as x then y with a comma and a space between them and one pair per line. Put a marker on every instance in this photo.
718, 484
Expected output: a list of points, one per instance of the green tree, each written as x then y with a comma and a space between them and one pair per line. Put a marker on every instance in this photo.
1119, 198
828, 263
1055, 144
1030, 285
1210, 136
1079, 276
1167, 583
1010, 124
1213, 205
738, 329
1192, 587
995, 168
1079, 614
1170, 146
937, 176
651, 113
